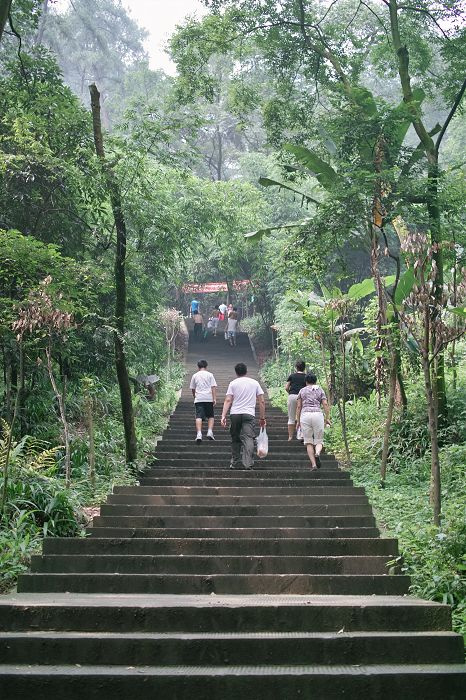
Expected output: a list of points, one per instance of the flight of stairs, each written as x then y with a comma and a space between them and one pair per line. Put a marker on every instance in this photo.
207, 583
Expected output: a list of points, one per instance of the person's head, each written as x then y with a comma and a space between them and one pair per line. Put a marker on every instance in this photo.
202, 364
300, 366
235, 308
241, 369
311, 378
217, 307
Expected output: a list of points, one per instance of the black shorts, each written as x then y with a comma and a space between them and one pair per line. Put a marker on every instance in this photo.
204, 409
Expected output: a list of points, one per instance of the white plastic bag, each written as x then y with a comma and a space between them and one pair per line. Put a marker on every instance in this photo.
299, 434
262, 443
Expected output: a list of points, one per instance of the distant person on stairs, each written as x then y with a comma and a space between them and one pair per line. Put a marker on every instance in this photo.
232, 326
242, 395
204, 388
309, 416
294, 384
194, 307
198, 325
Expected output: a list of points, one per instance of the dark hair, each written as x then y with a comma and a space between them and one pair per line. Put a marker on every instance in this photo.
202, 364
241, 369
235, 308
311, 378
300, 365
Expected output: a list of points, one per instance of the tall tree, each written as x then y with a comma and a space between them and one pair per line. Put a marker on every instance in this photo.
120, 281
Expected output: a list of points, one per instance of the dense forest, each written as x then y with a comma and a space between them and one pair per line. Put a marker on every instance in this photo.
314, 148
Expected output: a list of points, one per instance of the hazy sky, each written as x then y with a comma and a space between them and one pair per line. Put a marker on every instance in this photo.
160, 17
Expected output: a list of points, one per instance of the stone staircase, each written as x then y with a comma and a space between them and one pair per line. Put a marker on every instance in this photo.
208, 583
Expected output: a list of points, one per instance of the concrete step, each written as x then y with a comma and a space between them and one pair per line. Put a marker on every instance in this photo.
231, 613
378, 682
199, 564
231, 648
289, 476
232, 532
221, 584
238, 500
263, 491
223, 461
233, 521
221, 510
308, 480
221, 547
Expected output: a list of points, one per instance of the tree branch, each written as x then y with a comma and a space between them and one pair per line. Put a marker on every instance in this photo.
451, 114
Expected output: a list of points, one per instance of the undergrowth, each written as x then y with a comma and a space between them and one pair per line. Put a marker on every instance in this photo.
38, 504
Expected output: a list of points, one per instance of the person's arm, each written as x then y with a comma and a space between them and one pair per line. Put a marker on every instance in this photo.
288, 386
326, 408
214, 395
261, 402
194, 392
226, 407
299, 406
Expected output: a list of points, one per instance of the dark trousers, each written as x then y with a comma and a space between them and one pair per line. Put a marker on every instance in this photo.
198, 330
242, 431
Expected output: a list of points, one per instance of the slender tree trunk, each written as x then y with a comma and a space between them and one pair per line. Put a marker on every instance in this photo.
342, 405
5, 6
120, 284
433, 209
61, 408
6, 464
89, 407
389, 417
42, 22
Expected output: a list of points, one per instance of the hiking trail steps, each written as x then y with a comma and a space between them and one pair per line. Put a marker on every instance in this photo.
204, 582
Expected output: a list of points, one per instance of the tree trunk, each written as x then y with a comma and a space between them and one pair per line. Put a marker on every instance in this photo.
90, 430
120, 284
61, 407
433, 209
5, 6
389, 417
435, 484
6, 463
342, 406
42, 22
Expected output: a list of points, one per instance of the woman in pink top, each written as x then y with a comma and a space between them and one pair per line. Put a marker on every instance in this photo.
309, 416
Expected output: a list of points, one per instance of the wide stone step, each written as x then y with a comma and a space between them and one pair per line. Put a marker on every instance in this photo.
264, 491
276, 447
379, 682
311, 481
278, 500
233, 521
233, 648
233, 533
204, 613
288, 476
198, 564
223, 460
221, 547
221, 510
221, 584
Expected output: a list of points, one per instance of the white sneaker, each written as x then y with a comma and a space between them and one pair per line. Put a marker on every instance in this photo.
210, 435
199, 438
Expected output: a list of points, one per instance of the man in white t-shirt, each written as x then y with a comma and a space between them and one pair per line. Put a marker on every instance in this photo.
204, 388
242, 395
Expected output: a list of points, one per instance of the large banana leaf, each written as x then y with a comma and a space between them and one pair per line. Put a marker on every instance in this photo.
269, 182
324, 172
267, 231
